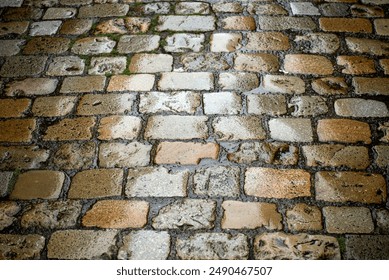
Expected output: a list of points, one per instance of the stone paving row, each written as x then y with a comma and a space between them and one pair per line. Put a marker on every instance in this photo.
249, 129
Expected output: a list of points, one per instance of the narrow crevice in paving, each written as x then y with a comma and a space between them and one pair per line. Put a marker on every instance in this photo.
142, 129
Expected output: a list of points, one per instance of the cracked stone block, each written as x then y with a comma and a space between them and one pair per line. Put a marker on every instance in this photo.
250, 215
225, 42
184, 42
234, 128
151, 63
367, 247
222, 103
270, 153
272, 105
127, 25
382, 218
238, 81
138, 43
25, 157
174, 102
156, 8
19, 66
330, 86
303, 217
8, 211
60, 13
5, 180
189, 214
283, 84
190, 8
318, 43
213, 246
350, 186
145, 245
52, 215
66, 66
204, 62
119, 127
266, 41
11, 47
295, 247
21, 247
217, 181
337, 156
382, 159
308, 106
105, 104
156, 182
361, 108
74, 156
45, 28
93, 45
186, 23
291, 129
82, 244
133, 154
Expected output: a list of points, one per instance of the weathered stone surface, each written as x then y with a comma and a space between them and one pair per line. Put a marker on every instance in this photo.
31, 86
151, 63
145, 245
133, 154
76, 26
184, 42
308, 106
355, 25
60, 13
83, 84
53, 106
225, 42
330, 86
356, 65
283, 84
74, 155
8, 210
382, 159
185, 153
10, 47
384, 127
227, 7
266, 41
295, 247
81, 244
136, 82
238, 81
35, 184
5, 180
105, 104
19, 27
186, 81
382, 218
250, 215
93, 45
367, 247
291, 129
132, 25
192, 8
52, 215
238, 23
337, 156
138, 43
119, 127
361, 108
382, 26
186, 23
277, 183
156, 182
156, 8
107, 65
318, 43
21, 247
270, 153
26, 157
66, 66
217, 181
303, 217
348, 219
19, 66
307, 64
304, 9
213, 246
343, 130
371, 86
285, 23
44, 28
117, 214
256, 62
10, 108
46, 45
189, 214
96, 183
238, 128
334, 9
265, 9
70, 129
259, 104
350, 186
103, 10
367, 46
204, 62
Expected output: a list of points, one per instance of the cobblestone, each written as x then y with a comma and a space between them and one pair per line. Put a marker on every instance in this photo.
303, 217
348, 219
21, 247
7, 212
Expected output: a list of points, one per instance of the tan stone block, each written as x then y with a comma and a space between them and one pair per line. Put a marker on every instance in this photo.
17, 130
119, 127
307, 64
250, 215
356, 65
348, 219
105, 104
83, 84
117, 214
371, 86
38, 184
277, 183
31, 86
53, 106
96, 183
385, 65
350, 187
131, 154
330, 86
26, 157
137, 82
185, 152
382, 26
267, 41
303, 217
21, 247
151, 63
238, 23
70, 129
343, 130
13, 108
256, 62
355, 25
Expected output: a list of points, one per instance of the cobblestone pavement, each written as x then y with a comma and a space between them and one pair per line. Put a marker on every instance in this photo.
145, 129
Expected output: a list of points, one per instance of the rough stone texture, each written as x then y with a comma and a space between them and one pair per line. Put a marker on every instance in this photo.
83, 84
138, 43
124, 155
256, 63
330, 86
70, 129
19, 28
285, 23
217, 181
5, 180
371, 86
93, 45
238, 23
14, 107
105, 104
382, 159
225, 42
272, 105
283, 84
266, 9
293, 130
192, 8
183, 42
361, 108
337, 155
303, 217
96, 184
103, 10
66, 66
117, 214
132, 25
343, 130
367, 46
318, 43
44, 28
145, 245
15, 130
19, 66
185, 153
213, 246
10, 47
266, 41
156, 182
38, 184
250, 215
238, 81
277, 183
137, 82
21, 247
74, 155
348, 219
204, 61
350, 187
307, 64
308, 106
382, 217
356, 65
367, 247
355, 25
52, 215
151, 63
295, 247
8, 210
75, 26
53, 106
186, 81
31, 86
107, 65
186, 23
190, 214
270, 153
119, 127
81, 244
27, 157
238, 128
